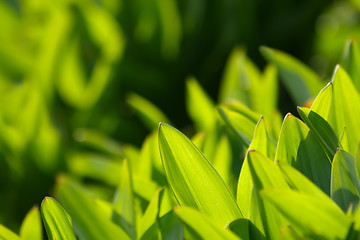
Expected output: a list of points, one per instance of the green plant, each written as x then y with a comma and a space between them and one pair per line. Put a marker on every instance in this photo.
242, 176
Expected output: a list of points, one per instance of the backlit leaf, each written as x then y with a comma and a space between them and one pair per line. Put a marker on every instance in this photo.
204, 226
345, 180
305, 215
299, 147
31, 227
267, 175
57, 222
88, 220
193, 179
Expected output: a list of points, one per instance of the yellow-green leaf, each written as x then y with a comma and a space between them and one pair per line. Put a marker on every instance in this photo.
31, 227
193, 179
57, 222
345, 180
204, 226
299, 148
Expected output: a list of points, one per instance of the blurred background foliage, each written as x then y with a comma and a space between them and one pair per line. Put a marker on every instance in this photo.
73, 73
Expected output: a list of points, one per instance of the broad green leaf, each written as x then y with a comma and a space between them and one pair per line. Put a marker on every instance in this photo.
246, 198
57, 222
299, 147
88, 220
31, 227
240, 119
351, 61
123, 214
204, 226
147, 111
335, 103
200, 106
193, 179
305, 215
322, 130
6, 234
267, 175
345, 180
149, 226
302, 83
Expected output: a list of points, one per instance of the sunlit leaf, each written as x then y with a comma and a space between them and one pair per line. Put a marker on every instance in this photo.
335, 103
240, 119
345, 180
31, 227
246, 197
322, 130
7, 234
88, 220
299, 147
193, 179
57, 222
267, 175
305, 215
204, 226
123, 213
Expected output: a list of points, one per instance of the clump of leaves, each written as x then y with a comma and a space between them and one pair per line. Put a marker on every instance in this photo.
242, 176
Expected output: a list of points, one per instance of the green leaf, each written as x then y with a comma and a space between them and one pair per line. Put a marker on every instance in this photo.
147, 111
246, 197
31, 227
302, 83
149, 226
322, 130
300, 182
266, 174
193, 179
123, 214
240, 119
351, 61
305, 215
199, 106
97, 167
237, 79
299, 147
345, 180
335, 103
204, 226
57, 222
6, 234
264, 93
223, 162
88, 219
149, 165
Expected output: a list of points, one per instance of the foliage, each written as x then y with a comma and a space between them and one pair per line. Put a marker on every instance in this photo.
245, 173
